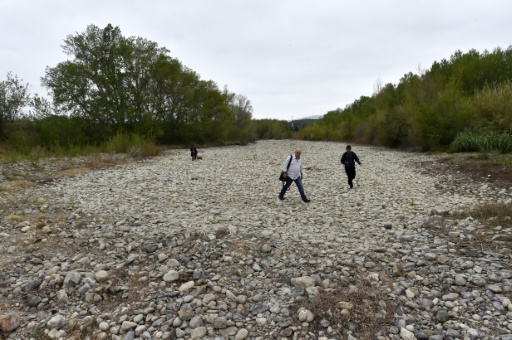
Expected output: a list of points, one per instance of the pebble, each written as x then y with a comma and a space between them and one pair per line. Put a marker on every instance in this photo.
168, 248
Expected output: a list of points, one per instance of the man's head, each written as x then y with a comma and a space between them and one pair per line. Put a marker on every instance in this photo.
349, 148
297, 153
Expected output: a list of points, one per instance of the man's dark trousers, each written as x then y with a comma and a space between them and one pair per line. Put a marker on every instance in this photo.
351, 174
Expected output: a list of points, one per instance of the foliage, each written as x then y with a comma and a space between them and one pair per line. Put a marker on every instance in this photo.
124, 84
133, 144
271, 129
429, 111
13, 98
482, 141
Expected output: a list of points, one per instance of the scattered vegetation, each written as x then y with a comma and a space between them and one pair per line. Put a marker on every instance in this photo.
364, 310
491, 214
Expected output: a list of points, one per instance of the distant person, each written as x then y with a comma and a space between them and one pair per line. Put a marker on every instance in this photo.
293, 173
193, 152
349, 159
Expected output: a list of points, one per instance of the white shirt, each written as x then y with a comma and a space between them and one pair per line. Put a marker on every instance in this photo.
295, 167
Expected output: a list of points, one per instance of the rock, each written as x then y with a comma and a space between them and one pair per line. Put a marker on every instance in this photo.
72, 279
171, 276
101, 276
241, 334
198, 333
9, 322
33, 300
127, 325
304, 281
31, 285
406, 334
56, 322
186, 286
442, 316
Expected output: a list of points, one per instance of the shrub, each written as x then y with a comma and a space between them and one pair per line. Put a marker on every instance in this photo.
469, 141
134, 144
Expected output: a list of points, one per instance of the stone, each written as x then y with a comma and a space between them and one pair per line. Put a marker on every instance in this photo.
171, 276
304, 281
199, 332
101, 276
9, 322
57, 322
442, 316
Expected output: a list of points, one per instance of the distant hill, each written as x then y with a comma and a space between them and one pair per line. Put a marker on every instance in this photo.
297, 124
309, 117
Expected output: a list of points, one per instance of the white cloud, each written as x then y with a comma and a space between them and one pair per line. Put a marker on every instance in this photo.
288, 57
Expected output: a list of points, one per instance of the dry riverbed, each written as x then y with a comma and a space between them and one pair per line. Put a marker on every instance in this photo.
167, 248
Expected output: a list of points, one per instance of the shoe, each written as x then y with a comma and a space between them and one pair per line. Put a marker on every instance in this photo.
281, 198
306, 200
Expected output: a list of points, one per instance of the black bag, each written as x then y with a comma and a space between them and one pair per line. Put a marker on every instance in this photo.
281, 177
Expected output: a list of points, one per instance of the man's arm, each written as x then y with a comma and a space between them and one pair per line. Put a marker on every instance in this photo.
285, 165
357, 159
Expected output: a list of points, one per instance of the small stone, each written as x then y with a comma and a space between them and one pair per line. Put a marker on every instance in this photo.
442, 316
57, 322
171, 276
101, 276
186, 286
405, 334
241, 334
304, 281
199, 332
127, 325
33, 300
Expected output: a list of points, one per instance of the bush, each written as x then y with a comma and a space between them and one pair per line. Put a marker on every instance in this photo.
133, 144
470, 141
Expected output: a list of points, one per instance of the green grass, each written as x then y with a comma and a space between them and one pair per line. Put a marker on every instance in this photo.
482, 141
135, 145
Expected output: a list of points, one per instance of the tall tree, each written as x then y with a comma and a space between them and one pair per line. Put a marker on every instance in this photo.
14, 97
108, 80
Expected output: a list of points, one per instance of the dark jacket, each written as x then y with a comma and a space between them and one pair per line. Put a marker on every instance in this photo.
193, 151
349, 158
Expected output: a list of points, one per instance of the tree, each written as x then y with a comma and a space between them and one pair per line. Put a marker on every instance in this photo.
242, 109
14, 97
118, 84
108, 82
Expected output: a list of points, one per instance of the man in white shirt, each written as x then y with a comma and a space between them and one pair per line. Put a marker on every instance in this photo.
293, 173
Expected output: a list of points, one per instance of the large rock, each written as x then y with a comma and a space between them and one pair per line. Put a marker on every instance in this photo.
9, 322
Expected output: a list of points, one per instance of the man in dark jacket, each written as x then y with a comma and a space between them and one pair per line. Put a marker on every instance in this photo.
193, 152
349, 159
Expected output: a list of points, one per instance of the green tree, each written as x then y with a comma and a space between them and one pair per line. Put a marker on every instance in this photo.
108, 81
14, 97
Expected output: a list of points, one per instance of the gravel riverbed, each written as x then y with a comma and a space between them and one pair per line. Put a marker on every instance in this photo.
168, 248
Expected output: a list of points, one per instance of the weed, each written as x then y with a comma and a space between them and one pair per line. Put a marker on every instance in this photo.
221, 232
364, 310
491, 214
38, 333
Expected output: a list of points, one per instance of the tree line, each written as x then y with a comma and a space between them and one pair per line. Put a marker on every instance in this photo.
463, 103
114, 85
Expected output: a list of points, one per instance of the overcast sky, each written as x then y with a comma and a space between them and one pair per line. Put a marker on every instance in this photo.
290, 58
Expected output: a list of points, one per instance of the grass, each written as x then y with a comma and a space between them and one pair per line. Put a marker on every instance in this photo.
491, 166
482, 141
491, 214
135, 145
364, 309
